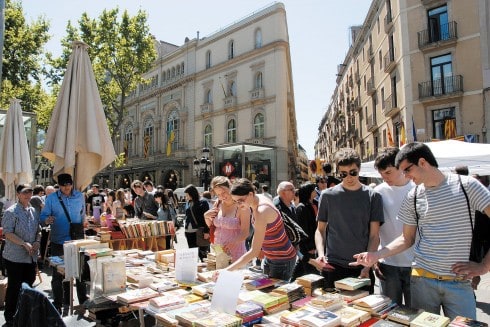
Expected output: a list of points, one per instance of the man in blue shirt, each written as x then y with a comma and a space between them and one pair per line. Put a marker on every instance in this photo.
54, 214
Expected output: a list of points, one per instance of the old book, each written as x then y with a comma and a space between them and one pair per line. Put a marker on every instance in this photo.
372, 302
463, 321
403, 314
321, 319
137, 295
352, 283
427, 319
113, 276
350, 296
351, 317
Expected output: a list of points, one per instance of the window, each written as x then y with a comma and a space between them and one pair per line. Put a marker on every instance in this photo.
231, 131
382, 97
209, 97
438, 24
394, 98
258, 80
258, 39
173, 131
231, 49
442, 75
259, 126
380, 58
128, 140
232, 89
173, 72
168, 74
444, 123
178, 70
164, 76
182, 68
208, 136
208, 59
148, 138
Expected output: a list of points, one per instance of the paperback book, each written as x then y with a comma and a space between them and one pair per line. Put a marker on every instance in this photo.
352, 283
403, 314
321, 319
427, 319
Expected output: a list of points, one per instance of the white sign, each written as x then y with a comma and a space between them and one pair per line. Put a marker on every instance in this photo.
186, 264
225, 294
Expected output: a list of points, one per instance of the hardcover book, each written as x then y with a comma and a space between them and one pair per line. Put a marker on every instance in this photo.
403, 314
427, 319
352, 283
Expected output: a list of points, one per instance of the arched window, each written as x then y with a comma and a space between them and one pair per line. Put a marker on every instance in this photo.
232, 88
258, 39
128, 141
231, 131
173, 72
208, 59
182, 68
208, 136
148, 138
178, 70
168, 74
231, 49
258, 80
172, 132
209, 97
164, 77
259, 126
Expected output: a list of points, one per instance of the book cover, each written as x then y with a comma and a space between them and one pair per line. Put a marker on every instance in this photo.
137, 295
427, 319
165, 301
352, 283
387, 323
372, 301
294, 317
460, 321
350, 316
301, 302
403, 314
261, 283
247, 308
113, 276
321, 319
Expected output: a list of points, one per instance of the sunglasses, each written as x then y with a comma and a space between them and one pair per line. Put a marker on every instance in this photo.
344, 174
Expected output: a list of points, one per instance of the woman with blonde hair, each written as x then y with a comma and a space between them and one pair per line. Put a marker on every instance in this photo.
269, 238
231, 223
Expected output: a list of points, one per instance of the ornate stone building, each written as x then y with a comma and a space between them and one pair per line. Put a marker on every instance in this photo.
416, 70
230, 92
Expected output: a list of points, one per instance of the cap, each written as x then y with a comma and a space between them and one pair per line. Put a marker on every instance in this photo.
23, 188
65, 179
95, 185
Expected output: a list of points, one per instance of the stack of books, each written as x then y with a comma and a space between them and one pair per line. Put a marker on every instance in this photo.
352, 317
352, 283
293, 291
321, 319
427, 319
189, 318
137, 295
282, 303
250, 313
165, 303
301, 302
327, 302
403, 314
463, 322
163, 285
294, 317
261, 283
168, 319
219, 319
372, 303
310, 282
204, 289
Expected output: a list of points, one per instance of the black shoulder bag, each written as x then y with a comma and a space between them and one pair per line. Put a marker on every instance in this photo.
76, 229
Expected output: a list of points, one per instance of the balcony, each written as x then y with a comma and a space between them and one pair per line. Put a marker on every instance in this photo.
357, 78
257, 94
389, 61
370, 53
371, 123
230, 101
370, 88
206, 107
446, 87
355, 104
390, 108
442, 35
388, 23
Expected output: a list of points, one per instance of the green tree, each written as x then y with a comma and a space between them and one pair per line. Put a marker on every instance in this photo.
23, 56
120, 51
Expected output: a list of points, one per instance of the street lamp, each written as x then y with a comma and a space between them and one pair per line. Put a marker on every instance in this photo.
202, 168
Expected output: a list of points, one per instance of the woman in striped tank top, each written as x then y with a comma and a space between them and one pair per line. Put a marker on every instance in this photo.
269, 238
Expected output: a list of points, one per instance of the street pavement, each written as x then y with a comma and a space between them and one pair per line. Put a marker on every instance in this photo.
482, 294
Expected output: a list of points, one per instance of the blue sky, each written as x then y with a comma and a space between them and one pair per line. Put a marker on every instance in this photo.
318, 36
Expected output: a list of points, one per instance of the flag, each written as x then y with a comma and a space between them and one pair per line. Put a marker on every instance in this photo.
126, 151
414, 131
390, 138
170, 139
403, 135
146, 147
450, 129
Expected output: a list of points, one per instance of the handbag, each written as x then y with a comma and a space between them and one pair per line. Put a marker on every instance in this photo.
200, 240
294, 231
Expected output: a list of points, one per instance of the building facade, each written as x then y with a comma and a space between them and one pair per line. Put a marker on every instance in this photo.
230, 92
416, 70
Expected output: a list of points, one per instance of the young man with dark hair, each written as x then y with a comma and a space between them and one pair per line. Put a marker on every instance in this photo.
437, 210
353, 213
393, 272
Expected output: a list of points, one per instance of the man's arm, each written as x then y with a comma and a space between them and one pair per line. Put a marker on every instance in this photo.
400, 244
320, 235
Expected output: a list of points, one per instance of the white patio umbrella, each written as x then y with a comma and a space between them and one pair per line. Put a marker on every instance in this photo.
15, 160
78, 139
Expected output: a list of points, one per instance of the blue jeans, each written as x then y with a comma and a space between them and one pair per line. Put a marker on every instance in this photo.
396, 283
455, 297
280, 269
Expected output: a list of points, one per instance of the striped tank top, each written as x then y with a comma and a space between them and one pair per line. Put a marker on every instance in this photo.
276, 245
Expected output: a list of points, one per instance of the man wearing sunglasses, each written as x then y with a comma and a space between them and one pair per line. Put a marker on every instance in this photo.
353, 213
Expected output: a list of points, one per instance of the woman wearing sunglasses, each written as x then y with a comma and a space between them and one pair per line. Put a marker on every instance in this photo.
269, 238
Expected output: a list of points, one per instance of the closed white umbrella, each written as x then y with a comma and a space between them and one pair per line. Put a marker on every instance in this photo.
78, 139
15, 160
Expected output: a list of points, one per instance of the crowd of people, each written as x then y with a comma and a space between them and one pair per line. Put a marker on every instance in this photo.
413, 231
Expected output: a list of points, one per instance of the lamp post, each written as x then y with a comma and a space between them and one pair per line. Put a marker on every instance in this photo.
202, 168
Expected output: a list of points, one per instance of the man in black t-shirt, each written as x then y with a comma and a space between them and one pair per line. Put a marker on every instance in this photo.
96, 199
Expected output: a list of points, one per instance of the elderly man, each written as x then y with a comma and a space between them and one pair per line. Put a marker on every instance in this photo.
63, 208
438, 210
284, 199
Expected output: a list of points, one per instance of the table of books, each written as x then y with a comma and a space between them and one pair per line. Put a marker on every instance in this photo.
144, 282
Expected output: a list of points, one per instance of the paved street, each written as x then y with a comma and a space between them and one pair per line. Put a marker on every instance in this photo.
482, 294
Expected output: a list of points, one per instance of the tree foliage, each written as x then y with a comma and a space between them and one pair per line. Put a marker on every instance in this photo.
23, 55
121, 50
